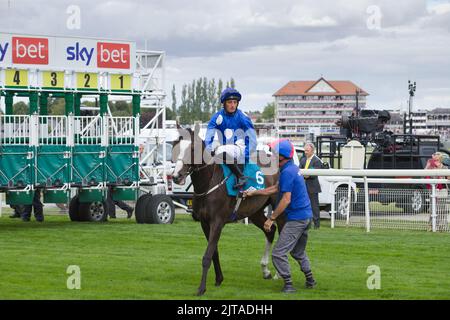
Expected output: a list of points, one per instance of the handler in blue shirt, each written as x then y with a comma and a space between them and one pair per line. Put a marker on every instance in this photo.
294, 203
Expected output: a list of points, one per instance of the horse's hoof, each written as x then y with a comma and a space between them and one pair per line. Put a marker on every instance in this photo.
201, 292
267, 277
219, 282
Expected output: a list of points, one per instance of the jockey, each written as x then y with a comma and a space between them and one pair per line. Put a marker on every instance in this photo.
236, 134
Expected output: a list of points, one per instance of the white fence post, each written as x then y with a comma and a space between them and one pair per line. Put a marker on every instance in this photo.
433, 207
349, 197
333, 205
366, 204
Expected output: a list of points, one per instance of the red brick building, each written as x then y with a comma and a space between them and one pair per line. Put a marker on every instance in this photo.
305, 107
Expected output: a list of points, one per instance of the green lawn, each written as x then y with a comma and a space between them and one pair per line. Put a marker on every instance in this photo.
123, 260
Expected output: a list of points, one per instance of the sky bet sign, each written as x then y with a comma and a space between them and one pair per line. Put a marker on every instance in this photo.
64, 53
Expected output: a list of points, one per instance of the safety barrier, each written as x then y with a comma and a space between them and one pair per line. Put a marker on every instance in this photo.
388, 203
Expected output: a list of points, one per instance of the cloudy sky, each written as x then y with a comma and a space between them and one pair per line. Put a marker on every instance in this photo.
263, 44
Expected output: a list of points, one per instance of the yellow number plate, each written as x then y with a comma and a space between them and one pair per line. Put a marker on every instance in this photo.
189, 203
16, 78
53, 79
87, 81
120, 82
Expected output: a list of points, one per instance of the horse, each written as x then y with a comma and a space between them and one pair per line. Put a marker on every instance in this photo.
213, 207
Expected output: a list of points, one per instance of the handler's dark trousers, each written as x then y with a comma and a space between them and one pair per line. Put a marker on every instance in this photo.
293, 239
37, 206
314, 199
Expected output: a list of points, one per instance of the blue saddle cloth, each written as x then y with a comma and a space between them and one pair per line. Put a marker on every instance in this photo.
255, 178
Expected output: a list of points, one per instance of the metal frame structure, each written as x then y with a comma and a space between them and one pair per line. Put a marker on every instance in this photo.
107, 136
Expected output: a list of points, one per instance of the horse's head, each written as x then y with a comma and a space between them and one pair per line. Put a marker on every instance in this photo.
187, 153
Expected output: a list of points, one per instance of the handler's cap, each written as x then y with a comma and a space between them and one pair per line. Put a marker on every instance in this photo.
283, 147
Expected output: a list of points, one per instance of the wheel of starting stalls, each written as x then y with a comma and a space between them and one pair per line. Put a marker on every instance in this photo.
94, 211
160, 209
74, 212
139, 210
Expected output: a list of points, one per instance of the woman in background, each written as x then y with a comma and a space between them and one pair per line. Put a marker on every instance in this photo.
441, 194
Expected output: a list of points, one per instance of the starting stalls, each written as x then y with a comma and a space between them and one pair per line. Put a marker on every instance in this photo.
76, 159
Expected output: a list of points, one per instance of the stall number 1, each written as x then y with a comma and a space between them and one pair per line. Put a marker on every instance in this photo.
120, 82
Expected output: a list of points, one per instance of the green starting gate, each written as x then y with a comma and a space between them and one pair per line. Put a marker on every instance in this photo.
95, 154
98, 156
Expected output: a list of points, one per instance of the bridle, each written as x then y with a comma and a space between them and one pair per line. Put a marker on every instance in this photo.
193, 168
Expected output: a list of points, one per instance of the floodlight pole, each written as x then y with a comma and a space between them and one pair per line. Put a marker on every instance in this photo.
411, 89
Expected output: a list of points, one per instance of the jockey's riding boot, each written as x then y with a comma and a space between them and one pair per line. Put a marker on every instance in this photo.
237, 170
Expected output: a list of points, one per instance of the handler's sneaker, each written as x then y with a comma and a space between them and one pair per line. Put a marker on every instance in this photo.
309, 284
288, 288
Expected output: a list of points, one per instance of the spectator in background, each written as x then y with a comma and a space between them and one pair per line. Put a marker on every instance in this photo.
121, 204
311, 161
17, 211
436, 162
37, 206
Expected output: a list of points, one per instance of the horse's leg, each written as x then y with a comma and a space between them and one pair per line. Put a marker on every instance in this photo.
215, 258
215, 228
259, 219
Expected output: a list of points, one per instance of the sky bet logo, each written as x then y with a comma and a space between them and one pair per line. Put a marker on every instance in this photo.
26, 50
35, 51
78, 53
109, 55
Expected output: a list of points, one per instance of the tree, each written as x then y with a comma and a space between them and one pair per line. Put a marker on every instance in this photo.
174, 100
219, 92
170, 115
199, 100
232, 84
20, 108
269, 112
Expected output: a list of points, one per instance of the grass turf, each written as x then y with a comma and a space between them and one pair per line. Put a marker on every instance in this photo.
124, 260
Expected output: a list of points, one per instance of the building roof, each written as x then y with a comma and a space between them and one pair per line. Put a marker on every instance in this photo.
329, 88
440, 111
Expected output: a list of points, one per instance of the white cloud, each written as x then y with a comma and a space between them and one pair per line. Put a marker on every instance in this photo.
439, 8
263, 44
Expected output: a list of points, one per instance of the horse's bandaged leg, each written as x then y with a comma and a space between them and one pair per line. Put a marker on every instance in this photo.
265, 261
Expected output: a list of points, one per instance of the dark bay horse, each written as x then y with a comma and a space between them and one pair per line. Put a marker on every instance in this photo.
213, 207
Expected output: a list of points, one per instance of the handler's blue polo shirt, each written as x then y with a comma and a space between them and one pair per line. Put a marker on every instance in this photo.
292, 181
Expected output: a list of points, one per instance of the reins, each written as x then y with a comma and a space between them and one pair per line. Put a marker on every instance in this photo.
217, 186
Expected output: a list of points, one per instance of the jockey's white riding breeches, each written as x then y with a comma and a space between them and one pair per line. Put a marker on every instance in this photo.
235, 151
